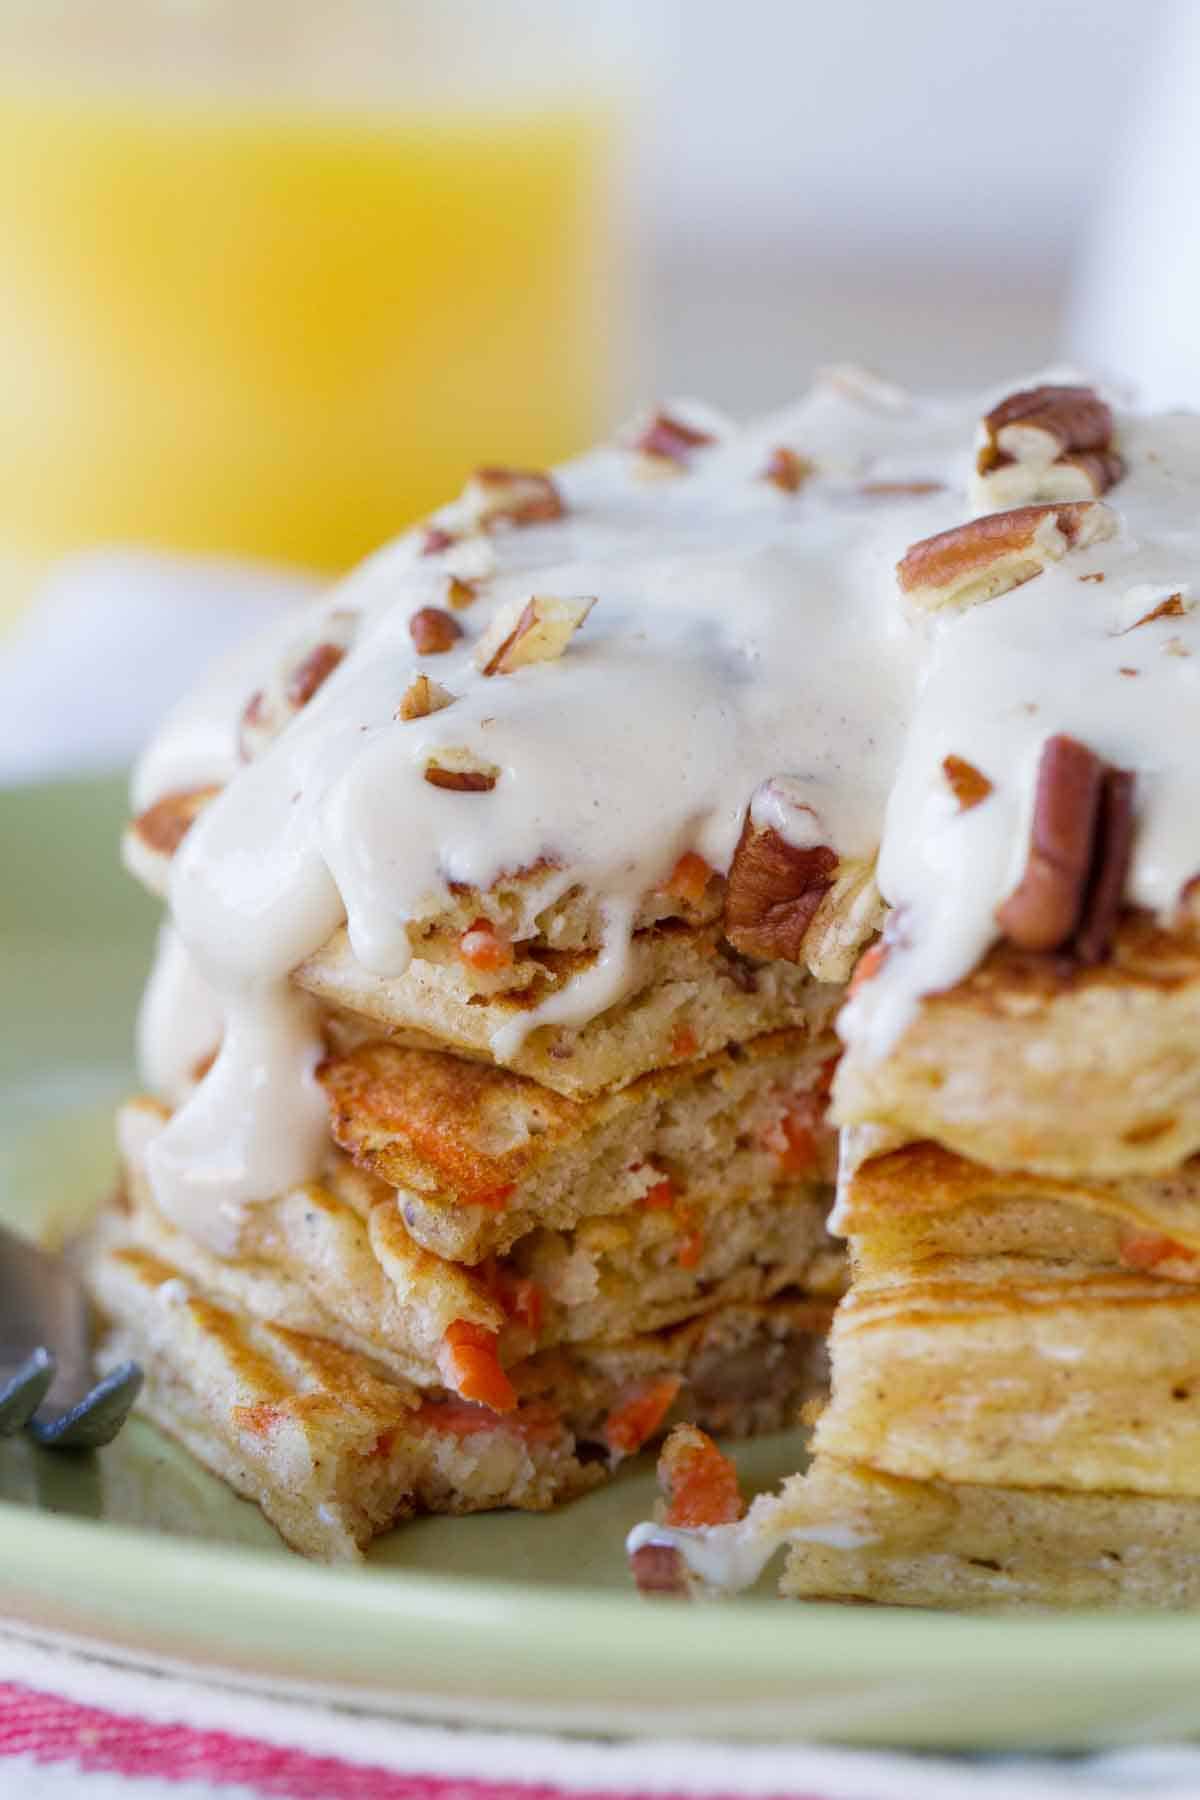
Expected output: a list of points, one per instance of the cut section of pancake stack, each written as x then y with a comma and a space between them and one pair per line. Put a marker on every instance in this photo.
546, 1211
1015, 1408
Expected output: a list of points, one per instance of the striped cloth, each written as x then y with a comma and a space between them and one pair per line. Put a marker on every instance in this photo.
77, 1728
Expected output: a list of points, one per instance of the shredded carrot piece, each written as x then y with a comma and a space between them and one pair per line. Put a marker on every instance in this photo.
799, 1154
1148, 1249
632, 1423
494, 1198
700, 1484
689, 878
526, 1304
684, 1042
486, 947
468, 1363
868, 966
828, 1070
691, 1249
661, 1197
538, 1419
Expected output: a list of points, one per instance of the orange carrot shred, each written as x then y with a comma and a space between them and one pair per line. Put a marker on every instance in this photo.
468, 1363
689, 878
868, 966
633, 1422
486, 947
700, 1483
659, 1198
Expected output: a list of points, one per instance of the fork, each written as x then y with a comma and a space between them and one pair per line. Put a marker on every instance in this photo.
47, 1382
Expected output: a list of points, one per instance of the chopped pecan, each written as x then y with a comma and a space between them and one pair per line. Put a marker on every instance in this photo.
1070, 893
1111, 856
968, 784
531, 631
899, 490
659, 1569
312, 673
671, 440
433, 631
788, 470
460, 593
163, 826
865, 388
1172, 607
773, 893
500, 497
422, 697
988, 556
434, 539
461, 772
1045, 443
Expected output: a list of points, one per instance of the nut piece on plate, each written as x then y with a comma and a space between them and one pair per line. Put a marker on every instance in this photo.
460, 771
1070, 893
497, 497
422, 697
988, 556
433, 631
1045, 443
530, 631
773, 892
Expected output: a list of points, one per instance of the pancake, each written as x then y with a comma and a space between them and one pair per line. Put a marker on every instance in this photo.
332, 1452
989, 1548
690, 995
335, 1257
481, 1155
1045, 1063
922, 1202
1022, 1373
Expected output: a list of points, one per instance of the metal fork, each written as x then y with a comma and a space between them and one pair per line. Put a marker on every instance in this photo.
47, 1382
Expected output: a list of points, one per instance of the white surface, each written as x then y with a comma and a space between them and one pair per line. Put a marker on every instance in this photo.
111, 642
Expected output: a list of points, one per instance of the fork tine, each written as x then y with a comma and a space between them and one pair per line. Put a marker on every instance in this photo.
24, 1392
96, 1419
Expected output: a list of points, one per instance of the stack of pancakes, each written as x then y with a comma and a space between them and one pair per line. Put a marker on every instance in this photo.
546, 1219
1014, 1416
1016, 1407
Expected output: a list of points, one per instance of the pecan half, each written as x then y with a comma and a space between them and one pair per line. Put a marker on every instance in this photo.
988, 556
422, 697
773, 893
536, 630
1045, 443
312, 673
1070, 894
1111, 855
788, 470
967, 783
659, 1569
433, 631
671, 439
163, 826
498, 497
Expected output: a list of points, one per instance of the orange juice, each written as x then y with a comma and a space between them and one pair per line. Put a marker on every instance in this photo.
285, 329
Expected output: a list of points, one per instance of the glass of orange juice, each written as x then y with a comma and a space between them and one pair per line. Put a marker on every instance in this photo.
275, 274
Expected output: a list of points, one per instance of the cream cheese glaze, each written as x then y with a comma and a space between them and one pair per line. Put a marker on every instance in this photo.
740, 636
739, 633
1065, 653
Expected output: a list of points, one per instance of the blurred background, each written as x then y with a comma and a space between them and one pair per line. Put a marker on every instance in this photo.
276, 274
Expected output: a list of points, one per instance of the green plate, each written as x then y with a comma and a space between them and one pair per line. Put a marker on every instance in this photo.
504, 1619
